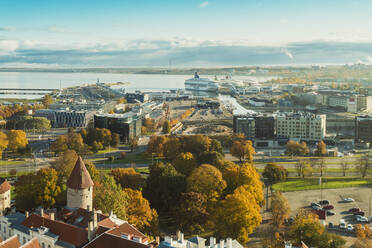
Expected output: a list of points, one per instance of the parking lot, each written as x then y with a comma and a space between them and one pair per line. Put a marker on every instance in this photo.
362, 199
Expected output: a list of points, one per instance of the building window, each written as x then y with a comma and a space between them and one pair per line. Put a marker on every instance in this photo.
10, 233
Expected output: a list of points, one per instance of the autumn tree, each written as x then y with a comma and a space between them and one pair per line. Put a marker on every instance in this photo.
247, 176
3, 142
303, 168
307, 228
207, 180
192, 212
238, 215
185, 163
17, 140
46, 189
171, 148
128, 178
47, 100
156, 145
149, 125
75, 142
93, 171
321, 166
59, 145
321, 149
293, 148
280, 209
275, 173
64, 164
140, 213
243, 150
210, 157
109, 196
196, 144
166, 127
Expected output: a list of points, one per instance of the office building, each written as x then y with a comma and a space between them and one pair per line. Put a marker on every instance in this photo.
66, 118
363, 128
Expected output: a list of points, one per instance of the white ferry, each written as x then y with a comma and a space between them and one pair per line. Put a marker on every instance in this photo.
201, 84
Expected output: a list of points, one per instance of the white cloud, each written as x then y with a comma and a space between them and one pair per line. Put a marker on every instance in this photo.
54, 29
8, 46
204, 4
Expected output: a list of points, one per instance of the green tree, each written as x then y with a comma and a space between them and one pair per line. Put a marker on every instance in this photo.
192, 213
75, 142
185, 163
156, 145
166, 127
210, 157
128, 178
275, 173
59, 146
172, 148
115, 142
109, 196
24, 192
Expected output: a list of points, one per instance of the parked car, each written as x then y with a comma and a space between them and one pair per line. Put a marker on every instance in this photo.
348, 199
359, 213
362, 219
350, 227
314, 204
328, 207
324, 202
330, 213
353, 210
342, 224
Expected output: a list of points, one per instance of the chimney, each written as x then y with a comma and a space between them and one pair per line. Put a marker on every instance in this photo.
42, 212
229, 242
212, 242
95, 220
91, 231
182, 238
222, 243
27, 214
52, 216
178, 235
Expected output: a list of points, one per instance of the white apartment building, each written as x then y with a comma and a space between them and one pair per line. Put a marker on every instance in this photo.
301, 126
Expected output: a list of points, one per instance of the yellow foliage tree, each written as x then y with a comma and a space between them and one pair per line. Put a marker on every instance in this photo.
140, 213
17, 140
238, 215
3, 143
243, 150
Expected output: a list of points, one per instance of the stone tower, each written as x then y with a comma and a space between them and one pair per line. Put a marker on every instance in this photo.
80, 187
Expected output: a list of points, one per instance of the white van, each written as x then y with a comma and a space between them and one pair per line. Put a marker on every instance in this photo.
342, 224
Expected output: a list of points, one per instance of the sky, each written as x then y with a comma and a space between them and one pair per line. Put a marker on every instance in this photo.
95, 33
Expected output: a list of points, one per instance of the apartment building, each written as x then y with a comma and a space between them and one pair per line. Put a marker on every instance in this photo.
301, 126
363, 128
256, 126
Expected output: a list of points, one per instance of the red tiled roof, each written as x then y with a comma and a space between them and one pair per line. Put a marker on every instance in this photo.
128, 229
80, 217
108, 240
33, 243
4, 187
11, 242
66, 232
79, 178
107, 223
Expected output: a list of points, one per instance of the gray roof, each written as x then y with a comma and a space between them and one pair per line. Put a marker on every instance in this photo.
197, 240
15, 218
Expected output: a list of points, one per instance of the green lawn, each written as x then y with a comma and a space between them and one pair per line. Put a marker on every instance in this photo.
295, 184
13, 162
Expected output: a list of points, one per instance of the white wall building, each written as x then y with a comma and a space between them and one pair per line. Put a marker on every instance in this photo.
301, 126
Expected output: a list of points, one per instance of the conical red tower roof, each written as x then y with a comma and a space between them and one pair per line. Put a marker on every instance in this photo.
79, 178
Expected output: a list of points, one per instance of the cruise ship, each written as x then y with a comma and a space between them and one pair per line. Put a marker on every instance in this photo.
201, 84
